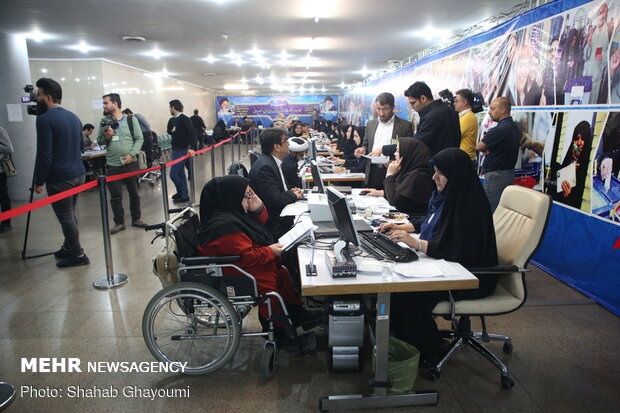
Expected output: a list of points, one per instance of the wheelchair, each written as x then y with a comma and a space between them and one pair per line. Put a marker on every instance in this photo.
198, 317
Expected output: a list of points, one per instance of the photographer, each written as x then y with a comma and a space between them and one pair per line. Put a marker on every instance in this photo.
59, 166
123, 140
6, 149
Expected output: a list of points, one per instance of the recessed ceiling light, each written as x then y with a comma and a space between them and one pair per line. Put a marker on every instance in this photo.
232, 55
37, 36
77, 79
210, 59
134, 39
62, 79
209, 74
342, 85
239, 61
156, 53
83, 47
43, 70
316, 19
323, 89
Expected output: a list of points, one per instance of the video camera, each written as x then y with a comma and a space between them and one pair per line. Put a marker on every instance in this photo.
478, 103
447, 97
32, 96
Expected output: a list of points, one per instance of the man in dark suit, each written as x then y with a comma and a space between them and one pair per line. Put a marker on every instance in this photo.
200, 127
439, 126
379, 133
268, 182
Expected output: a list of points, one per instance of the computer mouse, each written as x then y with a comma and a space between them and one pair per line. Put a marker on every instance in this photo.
364, 192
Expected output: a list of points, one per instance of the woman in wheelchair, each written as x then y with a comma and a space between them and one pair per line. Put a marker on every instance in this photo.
233, 223
458, 227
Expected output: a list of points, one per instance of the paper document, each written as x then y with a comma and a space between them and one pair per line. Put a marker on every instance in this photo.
419, 270
377, 159
568, 174
301, 230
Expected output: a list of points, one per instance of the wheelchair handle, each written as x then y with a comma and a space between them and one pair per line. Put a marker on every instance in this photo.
154, 226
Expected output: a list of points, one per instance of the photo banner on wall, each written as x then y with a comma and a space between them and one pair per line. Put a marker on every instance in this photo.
266, 110
559, 66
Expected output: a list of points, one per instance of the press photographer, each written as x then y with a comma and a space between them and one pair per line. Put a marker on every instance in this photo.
123, 138
59, 165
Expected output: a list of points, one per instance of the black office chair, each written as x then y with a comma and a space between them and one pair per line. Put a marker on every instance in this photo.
253, 157
237, 168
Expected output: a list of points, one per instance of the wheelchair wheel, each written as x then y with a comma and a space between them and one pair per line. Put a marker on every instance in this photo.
269, 361
191, 323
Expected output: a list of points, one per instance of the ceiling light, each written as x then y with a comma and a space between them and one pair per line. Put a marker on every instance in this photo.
156, 54
430, 33
209, 74
259, 80
210, 59
43, 70
239, 61
83, 47
316, 19
37, 36
62, 79
311, 89
163, 73
323, 89
342, 85
365, 72
77, 79
232, 55
236, 87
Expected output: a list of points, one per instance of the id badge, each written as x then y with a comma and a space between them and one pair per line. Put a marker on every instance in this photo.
115, 138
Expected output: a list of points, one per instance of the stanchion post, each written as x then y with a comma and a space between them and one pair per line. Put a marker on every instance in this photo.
232, 147
223, 155
212, 161
111, 279
164, 190
239, 145
192, 186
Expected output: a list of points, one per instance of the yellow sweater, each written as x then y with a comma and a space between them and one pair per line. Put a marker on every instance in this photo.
469, 133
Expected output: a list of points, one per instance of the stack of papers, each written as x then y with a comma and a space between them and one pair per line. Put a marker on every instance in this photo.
423, 269
300, 231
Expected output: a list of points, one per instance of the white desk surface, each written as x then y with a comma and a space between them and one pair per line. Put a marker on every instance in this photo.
325, 284
357, 176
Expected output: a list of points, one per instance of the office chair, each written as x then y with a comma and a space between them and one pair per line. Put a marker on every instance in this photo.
520, 221
253, 157
237, 168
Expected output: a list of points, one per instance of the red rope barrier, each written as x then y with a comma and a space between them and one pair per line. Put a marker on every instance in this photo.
62, 195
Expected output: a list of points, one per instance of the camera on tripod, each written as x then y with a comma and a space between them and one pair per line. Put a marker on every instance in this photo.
32, 97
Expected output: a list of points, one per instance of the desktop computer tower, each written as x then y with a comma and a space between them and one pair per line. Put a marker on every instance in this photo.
345, 335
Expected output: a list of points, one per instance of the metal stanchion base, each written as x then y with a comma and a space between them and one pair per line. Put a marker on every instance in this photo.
117, 281
7, 394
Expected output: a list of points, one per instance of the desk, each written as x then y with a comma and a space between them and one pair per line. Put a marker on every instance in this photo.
342, 177
94, 154
96, 160
324, 284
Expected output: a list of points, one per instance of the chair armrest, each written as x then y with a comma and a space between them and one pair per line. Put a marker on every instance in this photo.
224, 259
498, 269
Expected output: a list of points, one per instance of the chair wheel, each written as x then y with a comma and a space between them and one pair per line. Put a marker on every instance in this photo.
507, 383
269, 361
433, 375
507, 347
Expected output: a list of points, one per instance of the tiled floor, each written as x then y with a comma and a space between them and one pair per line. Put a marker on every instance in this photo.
565, 355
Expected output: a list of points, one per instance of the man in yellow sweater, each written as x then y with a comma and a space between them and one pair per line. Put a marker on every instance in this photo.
468, 121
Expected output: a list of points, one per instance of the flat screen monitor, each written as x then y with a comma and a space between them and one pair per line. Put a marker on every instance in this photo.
316, 177
342, 216
312, 151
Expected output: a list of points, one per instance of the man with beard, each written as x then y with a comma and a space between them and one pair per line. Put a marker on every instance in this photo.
59, 165
379, 133
124, 141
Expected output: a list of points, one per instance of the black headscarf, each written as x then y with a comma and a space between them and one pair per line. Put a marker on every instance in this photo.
221, 211
415, 178
465, 231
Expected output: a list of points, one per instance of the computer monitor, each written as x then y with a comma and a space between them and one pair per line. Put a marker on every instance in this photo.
342, 216
316, 176
312, 151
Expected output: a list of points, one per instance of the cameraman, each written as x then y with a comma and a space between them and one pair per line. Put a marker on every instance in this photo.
59, 165
469, 124
123, 142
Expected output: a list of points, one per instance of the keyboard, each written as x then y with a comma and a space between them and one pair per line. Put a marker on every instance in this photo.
383, 248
